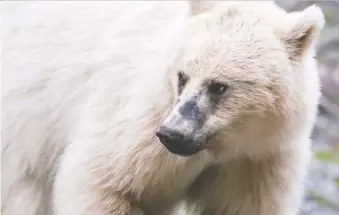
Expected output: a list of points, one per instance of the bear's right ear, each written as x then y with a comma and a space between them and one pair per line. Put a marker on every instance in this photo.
201, 6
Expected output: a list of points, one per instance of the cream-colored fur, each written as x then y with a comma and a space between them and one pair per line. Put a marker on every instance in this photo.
86, 85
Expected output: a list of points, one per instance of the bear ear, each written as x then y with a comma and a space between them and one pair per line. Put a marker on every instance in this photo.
303, 32
201, 6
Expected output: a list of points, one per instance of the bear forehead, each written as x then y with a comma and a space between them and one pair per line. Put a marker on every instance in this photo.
235, 50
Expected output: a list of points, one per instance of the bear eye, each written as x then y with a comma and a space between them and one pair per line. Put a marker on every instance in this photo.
217, 88
182, 80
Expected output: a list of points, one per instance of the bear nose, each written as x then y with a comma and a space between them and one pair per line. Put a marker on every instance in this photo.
169, 136
176, 142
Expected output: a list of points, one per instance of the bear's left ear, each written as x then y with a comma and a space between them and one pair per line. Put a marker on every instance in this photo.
302, 33
201, 6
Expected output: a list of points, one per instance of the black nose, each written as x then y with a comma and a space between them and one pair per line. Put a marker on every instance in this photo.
176, 142
169, 136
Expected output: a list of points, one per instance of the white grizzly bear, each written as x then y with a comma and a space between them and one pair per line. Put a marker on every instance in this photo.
130, 108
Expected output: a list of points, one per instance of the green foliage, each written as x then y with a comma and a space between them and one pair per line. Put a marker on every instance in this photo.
336, 181
327, 156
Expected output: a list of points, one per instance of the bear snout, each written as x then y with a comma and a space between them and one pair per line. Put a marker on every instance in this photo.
177, 142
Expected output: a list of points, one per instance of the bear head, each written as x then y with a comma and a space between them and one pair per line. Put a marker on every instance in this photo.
244, 80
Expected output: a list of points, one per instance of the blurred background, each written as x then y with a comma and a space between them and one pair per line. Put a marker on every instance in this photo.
322, 185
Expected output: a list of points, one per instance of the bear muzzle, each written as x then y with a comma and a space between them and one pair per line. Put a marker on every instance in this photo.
177, 142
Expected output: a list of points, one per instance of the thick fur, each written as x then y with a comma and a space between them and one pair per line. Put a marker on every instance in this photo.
87, 84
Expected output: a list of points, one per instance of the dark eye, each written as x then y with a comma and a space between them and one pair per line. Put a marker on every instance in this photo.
182, 80
217, 88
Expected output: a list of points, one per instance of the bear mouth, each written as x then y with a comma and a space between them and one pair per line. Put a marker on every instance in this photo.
181, 148
185, 152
